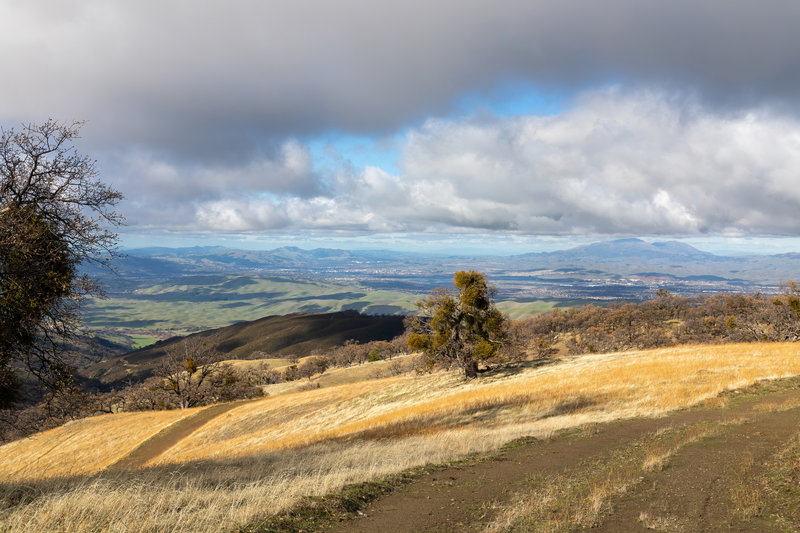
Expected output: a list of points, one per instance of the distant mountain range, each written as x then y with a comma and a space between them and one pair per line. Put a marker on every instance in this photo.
161, 290
617, 257
629, 249
671, 258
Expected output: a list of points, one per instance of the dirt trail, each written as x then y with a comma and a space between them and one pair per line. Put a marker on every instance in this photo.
169, 436
695, 492
693, 487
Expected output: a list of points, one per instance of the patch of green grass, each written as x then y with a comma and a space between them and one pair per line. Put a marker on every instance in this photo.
757, 390
117, 339
140, 341
314, 513
516, 310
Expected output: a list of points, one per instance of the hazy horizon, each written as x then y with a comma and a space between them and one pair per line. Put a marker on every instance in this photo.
460, 245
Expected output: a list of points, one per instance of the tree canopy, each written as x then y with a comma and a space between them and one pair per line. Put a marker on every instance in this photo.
54, 215
459, 327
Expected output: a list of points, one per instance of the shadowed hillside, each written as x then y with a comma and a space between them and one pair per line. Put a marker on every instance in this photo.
290, 335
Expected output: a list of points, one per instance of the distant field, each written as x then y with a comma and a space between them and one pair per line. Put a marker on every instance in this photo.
517, 310
189, 304
260, 457
196, 303
140, 341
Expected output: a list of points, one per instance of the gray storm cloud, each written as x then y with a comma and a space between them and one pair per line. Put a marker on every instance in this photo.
200, 110
214, 81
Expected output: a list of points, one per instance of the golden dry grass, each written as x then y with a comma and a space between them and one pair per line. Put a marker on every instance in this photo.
83, 446
253, 364
261, 457
746, 495
532, 402
340, 376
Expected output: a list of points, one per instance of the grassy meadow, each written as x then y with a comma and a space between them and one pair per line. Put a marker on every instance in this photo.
261, 457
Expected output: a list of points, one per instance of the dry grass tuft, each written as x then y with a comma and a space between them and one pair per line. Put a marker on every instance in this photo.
666, 443
560, 503
746, 494
667, 523
773, 407
83, 446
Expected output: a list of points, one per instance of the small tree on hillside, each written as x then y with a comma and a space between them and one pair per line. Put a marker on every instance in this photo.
459, 327
186, 369
312, 366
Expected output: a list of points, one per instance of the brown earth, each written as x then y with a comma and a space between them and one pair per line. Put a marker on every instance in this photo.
700, 489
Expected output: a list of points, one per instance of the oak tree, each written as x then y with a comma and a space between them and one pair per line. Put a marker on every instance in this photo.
459, 327
54, 217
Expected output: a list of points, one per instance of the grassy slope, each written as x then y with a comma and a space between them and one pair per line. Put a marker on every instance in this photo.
516, 310
261, 457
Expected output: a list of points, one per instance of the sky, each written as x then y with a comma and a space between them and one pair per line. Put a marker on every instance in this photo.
438, 125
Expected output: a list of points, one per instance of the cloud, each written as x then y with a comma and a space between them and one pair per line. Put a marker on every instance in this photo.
239, 216
223, 198
642, 163
213, 82
202, 113
620, 162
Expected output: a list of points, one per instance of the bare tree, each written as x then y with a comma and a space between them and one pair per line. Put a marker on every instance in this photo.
313, 366
186, 371
54, 215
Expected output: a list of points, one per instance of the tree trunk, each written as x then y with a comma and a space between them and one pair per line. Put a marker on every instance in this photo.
471, 369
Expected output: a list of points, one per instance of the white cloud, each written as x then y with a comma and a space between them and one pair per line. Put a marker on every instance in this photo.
239, 216
619, 162
194, 110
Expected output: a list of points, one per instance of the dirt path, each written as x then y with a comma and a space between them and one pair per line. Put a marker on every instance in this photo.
169, 436
691, 494
709, 482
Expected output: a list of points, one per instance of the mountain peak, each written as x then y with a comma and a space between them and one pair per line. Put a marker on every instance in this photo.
636, 249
